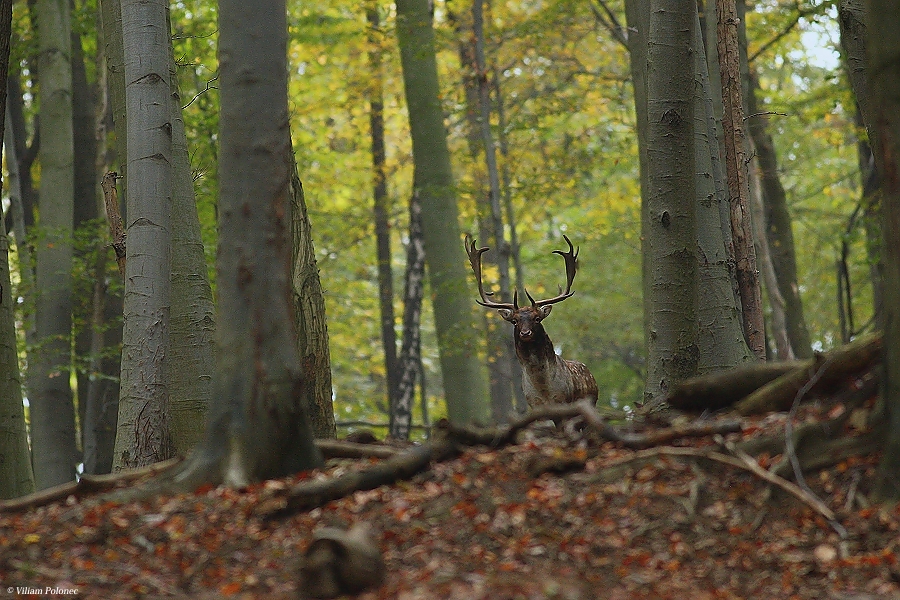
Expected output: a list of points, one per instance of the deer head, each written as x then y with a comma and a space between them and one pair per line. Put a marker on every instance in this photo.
525, 318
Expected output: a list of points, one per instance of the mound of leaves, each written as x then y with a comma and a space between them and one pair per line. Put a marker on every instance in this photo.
550, 516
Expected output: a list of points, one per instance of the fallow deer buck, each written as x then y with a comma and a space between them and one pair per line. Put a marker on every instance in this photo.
547, 378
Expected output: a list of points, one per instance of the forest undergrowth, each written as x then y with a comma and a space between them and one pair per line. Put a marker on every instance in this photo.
555, 515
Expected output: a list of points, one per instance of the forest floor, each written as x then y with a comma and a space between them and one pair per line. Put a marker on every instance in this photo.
602, 522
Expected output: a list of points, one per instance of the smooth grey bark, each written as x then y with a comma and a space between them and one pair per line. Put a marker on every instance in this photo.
53, 445
465, 385
192, 326
143, 431
883, 23
309, 316
671, 227
720, 338
381, 207
16, 476
98, 430
258, 426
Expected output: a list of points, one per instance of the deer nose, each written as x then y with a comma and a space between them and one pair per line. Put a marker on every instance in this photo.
525, 335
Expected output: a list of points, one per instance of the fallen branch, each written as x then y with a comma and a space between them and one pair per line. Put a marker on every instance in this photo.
746, 465
500, 436
87, 485
804, 495
311, 494
346, 449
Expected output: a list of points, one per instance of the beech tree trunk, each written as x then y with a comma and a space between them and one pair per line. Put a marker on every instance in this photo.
852, 20
16, 476
883, 21
720, 336
143, 434
465, 385
259, 427
192, 326
50, 397
671, 227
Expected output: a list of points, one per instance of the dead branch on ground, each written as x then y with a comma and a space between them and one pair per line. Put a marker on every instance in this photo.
86, 486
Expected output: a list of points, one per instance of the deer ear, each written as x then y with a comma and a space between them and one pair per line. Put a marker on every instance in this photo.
545, 310
505, 313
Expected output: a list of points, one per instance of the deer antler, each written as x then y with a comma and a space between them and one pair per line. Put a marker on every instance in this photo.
571, 258
475, 260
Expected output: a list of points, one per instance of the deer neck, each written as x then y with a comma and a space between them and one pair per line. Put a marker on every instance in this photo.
536, 354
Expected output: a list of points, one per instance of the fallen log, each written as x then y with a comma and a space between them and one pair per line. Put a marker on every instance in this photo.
722, 389
829, 368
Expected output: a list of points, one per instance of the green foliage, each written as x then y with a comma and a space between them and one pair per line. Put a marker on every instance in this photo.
571, 165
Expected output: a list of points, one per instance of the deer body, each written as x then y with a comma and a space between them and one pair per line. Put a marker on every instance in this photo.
547, 378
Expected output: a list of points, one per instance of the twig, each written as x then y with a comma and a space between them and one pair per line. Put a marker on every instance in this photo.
791, 450
610, 21
203, 91
795, 490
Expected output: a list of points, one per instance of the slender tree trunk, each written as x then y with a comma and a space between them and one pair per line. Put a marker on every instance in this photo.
514, 255
502, 402
192, 326
85, 211
381, 208
500, 352
309, 316
720, 336
779, 237
143, 433
258, 426
465, 385
637, 15
883, 23
111, 18
50, 399
411, 348
25, 153
102, 397
852, 19
671, 228
735, 164
16, 477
